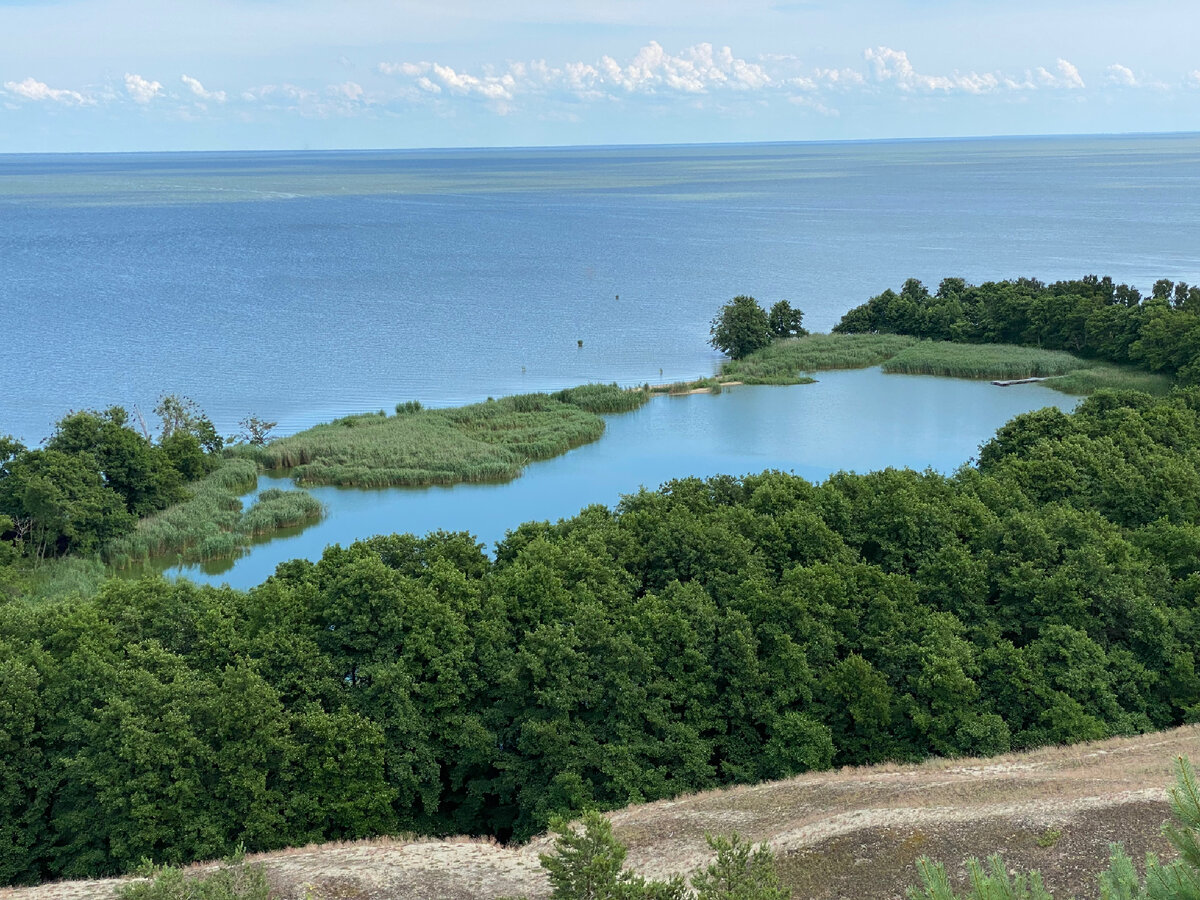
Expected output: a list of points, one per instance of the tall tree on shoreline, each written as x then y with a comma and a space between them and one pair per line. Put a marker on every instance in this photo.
740, 328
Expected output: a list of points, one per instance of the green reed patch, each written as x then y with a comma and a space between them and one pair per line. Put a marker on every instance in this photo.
1107, 375
995, 361
604, 398
783, 361
212, 524
490, 441
52, 578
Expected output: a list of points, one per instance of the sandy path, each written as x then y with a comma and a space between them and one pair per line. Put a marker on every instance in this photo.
849, 833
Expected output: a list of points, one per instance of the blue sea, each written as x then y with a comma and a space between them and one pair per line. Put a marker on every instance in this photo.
300, 286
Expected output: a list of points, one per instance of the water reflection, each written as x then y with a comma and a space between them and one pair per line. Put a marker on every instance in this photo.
856, 421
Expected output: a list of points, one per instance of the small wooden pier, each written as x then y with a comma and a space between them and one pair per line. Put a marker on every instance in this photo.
1020, 381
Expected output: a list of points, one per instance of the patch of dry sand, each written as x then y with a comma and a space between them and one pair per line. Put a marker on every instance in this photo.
855, 832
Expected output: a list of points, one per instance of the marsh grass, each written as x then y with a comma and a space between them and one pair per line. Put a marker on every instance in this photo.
604, 398
57, 578
784, 361
275, 508
993, 361
1106, 375
212, 524
679, 388
483, 442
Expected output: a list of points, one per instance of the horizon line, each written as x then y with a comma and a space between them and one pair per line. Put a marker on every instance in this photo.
618, 146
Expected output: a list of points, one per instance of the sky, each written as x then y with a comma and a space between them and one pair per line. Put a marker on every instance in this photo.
130, 75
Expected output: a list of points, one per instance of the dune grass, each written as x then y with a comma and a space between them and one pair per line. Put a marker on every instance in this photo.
993, 361
212, 524
784, 361
483, 442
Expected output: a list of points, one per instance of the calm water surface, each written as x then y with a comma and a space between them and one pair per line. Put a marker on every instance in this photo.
857, 420
302, 286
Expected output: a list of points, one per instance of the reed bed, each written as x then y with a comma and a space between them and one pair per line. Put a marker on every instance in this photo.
490, 441
275, 508
59, 578
993, 361
679, 388
604, 398
783, 361
1106, 375
212, 524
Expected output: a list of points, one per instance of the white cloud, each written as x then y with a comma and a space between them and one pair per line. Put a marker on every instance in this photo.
894, 67
141, 90
1069, 75
30, 89
347, 90
695, 71
198, 89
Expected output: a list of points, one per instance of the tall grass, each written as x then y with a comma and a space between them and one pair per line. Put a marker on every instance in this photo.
56, 578
783, 361
212, 524
604, 398
995, 361
490, 441
274, 509
1106, 375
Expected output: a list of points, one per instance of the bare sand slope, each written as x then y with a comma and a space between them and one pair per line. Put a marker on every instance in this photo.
850, 833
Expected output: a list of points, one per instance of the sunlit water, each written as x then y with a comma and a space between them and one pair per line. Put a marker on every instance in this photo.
856, 421
302, 286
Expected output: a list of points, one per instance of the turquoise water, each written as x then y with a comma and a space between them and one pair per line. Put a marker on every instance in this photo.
302, 286
856, 420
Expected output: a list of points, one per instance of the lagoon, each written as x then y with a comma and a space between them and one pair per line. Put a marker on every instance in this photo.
300, 287
858, 420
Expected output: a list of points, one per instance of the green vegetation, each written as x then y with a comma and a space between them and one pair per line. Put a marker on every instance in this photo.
236, 880
97, 475
211, 523
992, 361
708, 633
783, 361
53, 578
101, 489
490, 441
785, 321
1177, 880
587, 863
604, 398
679, 388
1105, 376
740, 327
1091, 317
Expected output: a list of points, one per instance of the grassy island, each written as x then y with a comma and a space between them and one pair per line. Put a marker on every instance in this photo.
491, 441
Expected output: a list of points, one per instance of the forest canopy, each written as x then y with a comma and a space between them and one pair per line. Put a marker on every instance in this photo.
707, 633
1091, 317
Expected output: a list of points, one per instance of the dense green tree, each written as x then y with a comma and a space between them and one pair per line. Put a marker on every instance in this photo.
785, 321
143, 474
740, 328
63, 502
